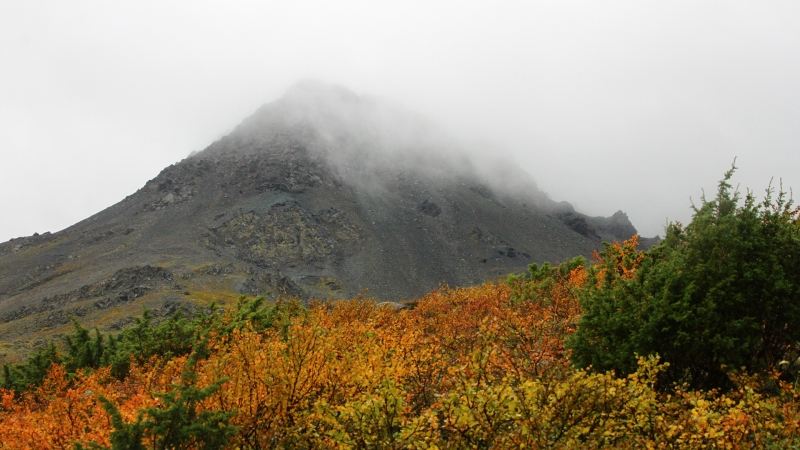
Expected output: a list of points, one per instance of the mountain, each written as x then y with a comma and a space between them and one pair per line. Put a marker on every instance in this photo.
322, 193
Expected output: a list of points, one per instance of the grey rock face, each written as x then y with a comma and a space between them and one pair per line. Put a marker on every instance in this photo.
312, 196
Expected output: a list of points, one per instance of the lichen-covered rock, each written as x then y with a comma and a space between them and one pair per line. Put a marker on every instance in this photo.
285, 235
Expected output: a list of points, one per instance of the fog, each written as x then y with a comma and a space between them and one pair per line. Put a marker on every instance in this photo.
365, 139
370, 143
608, 105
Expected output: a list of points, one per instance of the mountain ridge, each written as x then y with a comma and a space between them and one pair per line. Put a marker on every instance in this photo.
322, 193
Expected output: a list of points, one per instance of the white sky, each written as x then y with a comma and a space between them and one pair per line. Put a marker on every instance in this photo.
609, 105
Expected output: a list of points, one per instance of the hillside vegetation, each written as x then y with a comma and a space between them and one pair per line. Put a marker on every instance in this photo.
689, 345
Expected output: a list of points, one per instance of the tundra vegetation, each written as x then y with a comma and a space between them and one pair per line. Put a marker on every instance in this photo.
691, 344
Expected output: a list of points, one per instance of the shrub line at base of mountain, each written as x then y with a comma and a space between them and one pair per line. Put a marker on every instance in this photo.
565, 356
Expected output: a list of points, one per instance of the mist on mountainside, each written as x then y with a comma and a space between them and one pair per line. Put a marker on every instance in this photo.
365, 139
320, 194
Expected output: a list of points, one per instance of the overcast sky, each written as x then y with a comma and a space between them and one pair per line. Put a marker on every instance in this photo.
609, 105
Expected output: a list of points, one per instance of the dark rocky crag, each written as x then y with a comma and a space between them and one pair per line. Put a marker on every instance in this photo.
320, 194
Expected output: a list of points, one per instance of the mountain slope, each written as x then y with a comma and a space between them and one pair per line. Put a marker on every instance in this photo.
321, 193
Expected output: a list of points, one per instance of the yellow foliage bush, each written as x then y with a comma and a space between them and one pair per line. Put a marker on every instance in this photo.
466, 368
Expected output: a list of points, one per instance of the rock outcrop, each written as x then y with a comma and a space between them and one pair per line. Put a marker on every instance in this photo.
319, 194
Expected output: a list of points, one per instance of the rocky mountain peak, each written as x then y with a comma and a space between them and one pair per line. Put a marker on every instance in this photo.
321, 193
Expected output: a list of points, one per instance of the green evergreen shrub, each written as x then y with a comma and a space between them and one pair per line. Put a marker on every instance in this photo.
720, 294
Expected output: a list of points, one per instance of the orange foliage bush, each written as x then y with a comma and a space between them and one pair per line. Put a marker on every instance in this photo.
481, 367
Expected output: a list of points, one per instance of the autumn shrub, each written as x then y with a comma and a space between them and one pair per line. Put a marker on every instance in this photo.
481, 367
175, 421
